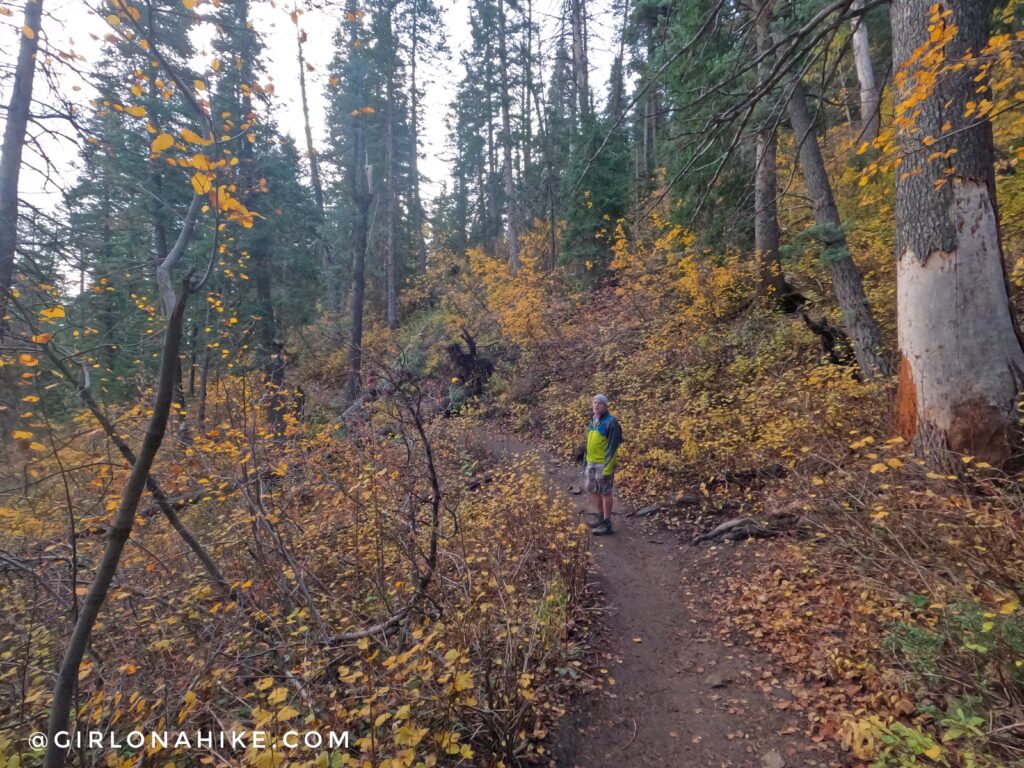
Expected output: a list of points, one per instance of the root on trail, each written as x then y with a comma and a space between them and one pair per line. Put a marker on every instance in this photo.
697, 504
741, 528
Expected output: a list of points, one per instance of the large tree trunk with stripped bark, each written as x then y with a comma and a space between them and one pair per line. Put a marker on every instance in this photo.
961, 357
14, 142
858, 321
870, 97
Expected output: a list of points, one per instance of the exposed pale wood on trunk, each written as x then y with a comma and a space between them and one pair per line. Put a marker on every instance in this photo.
962, 362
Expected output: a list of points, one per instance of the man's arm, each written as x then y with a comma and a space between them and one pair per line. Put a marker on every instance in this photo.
614, 440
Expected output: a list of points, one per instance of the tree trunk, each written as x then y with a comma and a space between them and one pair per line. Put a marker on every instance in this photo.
361, 189
10, 155
961, 357
766, 184
493, 217
266, 323
766, 216
414, 127
652, 106
527, 138
858, 321
355, 352
324, 247
161, 243
549, 171
390, 212
506, 144
870, 98
580, 65
120, 529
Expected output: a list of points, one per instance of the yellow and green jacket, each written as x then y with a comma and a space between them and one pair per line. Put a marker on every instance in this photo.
604, 436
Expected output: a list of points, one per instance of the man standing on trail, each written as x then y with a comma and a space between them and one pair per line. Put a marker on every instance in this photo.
604, 435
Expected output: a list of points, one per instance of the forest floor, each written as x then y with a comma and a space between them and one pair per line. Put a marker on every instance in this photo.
684, 690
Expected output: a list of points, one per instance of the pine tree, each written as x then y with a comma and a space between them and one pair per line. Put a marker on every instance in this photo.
279, 249
127, 197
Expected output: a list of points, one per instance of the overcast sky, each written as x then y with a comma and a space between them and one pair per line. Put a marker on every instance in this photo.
72, 25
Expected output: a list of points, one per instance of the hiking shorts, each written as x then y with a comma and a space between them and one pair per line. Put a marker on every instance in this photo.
596, 481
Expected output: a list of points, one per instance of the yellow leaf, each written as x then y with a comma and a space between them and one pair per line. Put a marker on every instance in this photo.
113, 20
26, 359
933, 752
36, 447
161, 142
52, 313
30, 399
42, 338
200, 85
20, 434
463, 681
28, 32
190, 4
277, 695
1009, 607
201, 183
878, 467
136, 111
287, 713
192, 137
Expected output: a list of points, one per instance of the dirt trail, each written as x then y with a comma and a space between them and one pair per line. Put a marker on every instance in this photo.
683, 697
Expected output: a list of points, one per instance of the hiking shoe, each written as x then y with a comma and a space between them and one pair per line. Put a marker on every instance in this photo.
604, 528
597, 522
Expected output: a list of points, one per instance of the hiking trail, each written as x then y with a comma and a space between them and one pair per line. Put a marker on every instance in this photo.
684, 696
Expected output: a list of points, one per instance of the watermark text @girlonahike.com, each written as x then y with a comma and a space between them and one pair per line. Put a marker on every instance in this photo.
197, 739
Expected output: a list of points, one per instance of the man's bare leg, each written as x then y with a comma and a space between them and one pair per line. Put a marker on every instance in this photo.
606, 507
597, 498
